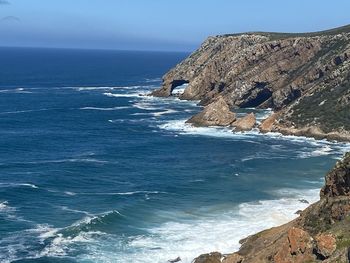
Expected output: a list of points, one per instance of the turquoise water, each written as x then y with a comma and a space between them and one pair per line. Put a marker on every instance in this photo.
94, 170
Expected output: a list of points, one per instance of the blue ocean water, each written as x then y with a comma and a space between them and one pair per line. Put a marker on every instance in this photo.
94, 170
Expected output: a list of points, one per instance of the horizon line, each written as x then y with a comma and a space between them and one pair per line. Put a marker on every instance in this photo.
99, 49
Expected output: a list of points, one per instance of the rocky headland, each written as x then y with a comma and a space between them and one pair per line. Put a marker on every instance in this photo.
304, 78
320, 234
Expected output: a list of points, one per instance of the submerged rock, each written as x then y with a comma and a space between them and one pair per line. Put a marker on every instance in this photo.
178, 259
246, 123
217, 113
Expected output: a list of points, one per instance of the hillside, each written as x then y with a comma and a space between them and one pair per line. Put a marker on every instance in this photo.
320, 234
303, 77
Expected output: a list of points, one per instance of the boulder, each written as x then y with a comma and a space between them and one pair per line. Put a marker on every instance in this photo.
213, 257
217, 113
326, 244
297, 247
267, 124
246, 123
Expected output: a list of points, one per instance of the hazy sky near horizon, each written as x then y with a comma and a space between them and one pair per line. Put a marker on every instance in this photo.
157, 24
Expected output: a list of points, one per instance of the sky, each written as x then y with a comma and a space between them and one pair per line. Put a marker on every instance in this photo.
165, 25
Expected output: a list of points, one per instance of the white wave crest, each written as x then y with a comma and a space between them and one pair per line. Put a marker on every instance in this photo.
105, 109
193, 235
18, 184
125, 95
17, 90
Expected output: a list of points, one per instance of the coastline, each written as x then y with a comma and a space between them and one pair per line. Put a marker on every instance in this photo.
319, 234
249, 243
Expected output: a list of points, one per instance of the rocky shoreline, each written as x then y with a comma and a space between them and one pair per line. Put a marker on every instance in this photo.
320, 234
305, 80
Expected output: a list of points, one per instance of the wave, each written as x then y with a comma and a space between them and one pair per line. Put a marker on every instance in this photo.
190, 235
194, 235
156, 114
106, 109
17, 90
314, 147
107, 88
153, 80
65, 208
4, 206
123, 193
87, 230
18, 185
322, 151
125, 95
25, 111
69, 160
145, 106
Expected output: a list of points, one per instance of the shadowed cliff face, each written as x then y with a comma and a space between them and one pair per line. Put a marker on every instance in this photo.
304, 76
320, 234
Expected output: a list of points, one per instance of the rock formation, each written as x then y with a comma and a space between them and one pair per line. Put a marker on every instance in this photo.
246, 123
305, 77
320, 234
217, 113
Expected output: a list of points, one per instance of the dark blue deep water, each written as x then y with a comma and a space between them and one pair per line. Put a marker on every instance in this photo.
92, 170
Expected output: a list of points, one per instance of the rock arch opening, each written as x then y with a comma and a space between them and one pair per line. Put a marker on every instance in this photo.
178, 86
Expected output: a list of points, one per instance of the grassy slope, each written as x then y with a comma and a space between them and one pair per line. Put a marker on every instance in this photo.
277, 35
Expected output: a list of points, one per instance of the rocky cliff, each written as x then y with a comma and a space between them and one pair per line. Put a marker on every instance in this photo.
304, 77
320, 234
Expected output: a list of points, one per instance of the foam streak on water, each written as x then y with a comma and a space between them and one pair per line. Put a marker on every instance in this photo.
94, 170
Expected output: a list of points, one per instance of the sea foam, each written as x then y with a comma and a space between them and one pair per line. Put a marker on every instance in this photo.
192, 236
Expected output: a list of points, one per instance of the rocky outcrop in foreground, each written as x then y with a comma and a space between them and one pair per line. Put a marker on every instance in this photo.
320, 234
304, 77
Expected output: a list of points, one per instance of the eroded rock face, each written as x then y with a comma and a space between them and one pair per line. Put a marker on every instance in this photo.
305, 77
320, 234
297, 247
246, 123
217, 113
338, 180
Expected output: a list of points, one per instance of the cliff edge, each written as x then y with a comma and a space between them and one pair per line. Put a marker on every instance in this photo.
303, 77
320, 234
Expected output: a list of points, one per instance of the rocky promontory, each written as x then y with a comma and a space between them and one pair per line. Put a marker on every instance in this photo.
320, 234
305, 78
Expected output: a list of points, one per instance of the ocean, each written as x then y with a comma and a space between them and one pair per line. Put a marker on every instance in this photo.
94, 170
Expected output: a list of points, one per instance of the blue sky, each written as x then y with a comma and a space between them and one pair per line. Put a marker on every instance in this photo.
179, 25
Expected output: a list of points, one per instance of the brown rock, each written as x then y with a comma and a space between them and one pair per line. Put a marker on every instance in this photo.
303, 76
326, 244
319, 234
233, 258
213, 257
297, 248
338, 179
217, 113
283, 253
299, 241
246, 123
267, 124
